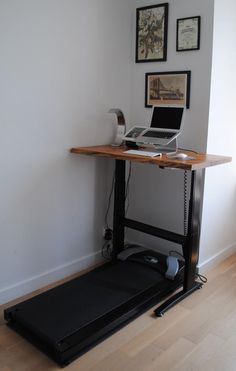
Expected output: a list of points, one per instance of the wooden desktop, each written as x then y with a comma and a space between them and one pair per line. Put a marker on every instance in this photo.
200, 161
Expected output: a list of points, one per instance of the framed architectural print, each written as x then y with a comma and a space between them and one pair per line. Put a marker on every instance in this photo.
167, 88
151, 33
188, 34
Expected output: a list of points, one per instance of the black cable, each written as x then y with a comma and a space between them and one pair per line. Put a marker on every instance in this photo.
128, 179
109, 201
202, 278
185, 202
127, 187
107, 246
111, 192
107, 250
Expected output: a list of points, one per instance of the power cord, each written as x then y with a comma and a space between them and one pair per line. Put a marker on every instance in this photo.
109, 200
202, 278
111, 192
108, 233
107, 250
127, 188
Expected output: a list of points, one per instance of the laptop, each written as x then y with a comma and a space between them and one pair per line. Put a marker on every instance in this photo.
166, 124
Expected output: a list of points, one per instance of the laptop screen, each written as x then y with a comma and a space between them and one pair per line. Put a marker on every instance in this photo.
167, 117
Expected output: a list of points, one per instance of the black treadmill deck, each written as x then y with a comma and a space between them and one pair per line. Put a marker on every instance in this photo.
68, 320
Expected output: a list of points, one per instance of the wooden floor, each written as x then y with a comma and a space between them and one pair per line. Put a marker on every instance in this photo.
198, 334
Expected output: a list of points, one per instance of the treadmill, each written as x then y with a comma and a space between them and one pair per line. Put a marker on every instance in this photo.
68, 320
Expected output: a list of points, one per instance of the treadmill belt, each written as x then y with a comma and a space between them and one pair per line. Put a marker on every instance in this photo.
61, 310
69, 319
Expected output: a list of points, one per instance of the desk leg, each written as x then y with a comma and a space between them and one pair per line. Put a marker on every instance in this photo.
119, 208
191, 246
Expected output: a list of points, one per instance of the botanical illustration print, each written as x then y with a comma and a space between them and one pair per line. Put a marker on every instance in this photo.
151, 33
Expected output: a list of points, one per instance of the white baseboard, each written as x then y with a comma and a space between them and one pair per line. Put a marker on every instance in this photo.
214, 260
36, 282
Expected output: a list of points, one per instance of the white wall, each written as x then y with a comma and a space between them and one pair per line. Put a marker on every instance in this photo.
219, 212
63, 64
165, 208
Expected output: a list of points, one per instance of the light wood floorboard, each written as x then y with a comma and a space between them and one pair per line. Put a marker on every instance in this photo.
199, 334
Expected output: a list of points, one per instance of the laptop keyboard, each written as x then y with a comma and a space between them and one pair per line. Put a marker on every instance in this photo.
159, 134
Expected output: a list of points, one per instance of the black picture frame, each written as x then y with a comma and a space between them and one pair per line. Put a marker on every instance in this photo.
151, 33
188, 33
172, 87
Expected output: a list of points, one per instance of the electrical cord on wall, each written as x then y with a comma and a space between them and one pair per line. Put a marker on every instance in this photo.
107, 250
107, 246
127, 188
109, 200
112, 190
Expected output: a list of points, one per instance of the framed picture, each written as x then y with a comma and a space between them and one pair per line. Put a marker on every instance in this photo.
151, 33
188, 34
167, 88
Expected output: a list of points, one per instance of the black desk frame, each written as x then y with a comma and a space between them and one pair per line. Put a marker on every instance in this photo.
190, 242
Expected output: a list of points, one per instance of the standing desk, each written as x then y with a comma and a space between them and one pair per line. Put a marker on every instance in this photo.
190, 242
69, 319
